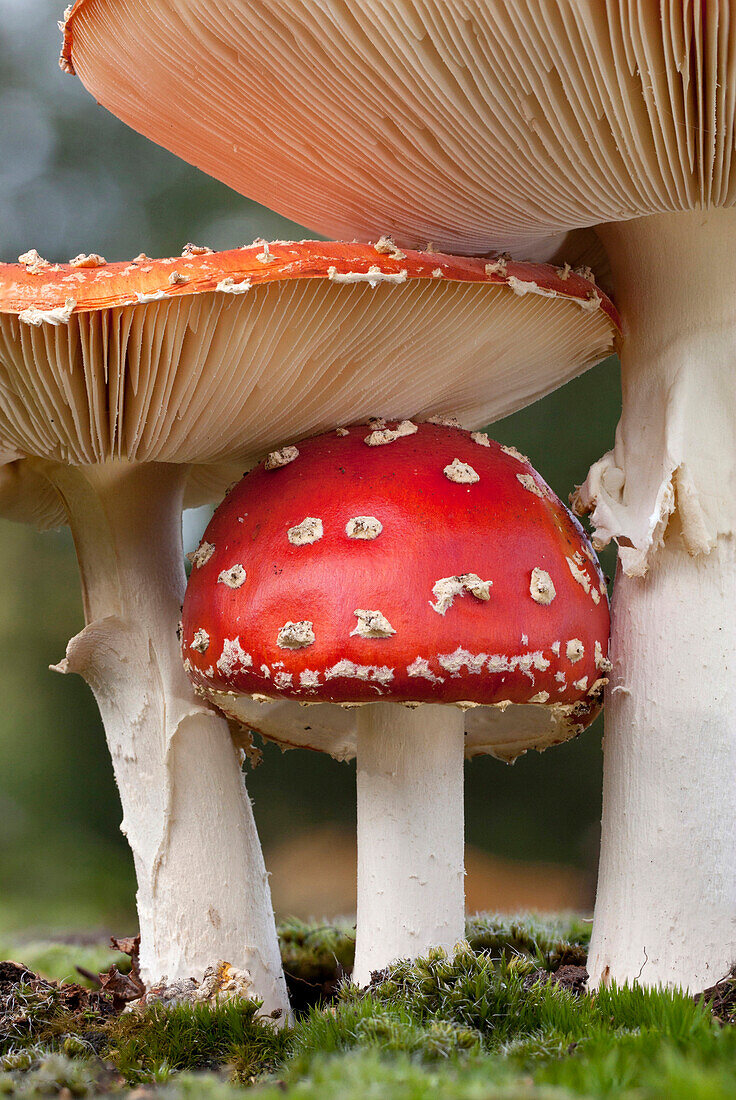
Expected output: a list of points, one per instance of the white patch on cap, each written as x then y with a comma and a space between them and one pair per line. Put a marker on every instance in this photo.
374, 674
277, 459
582, 577
308, 531
480, 438
540, 697
266, 671
591, 303
233, 654
444, 421
586, 549
381, 436
601, 662
177, 279
437, 273
560, 678
461, 658
88, 259
295, 635
229, 286
530, 484
525, 639
373, 276
461, 473
385, 245
202, 554
585, 272
187, 665
309, 678
375, 423
201, 641
575, 650
372, 624
265, 257
525, 662
446, 588
542, 588
363, 527
420, 667
153, 296
582, 684
341, 431
526, 286
282, 680
34, 263
498, 266
513, 453
59, 315
556, 648
233, 577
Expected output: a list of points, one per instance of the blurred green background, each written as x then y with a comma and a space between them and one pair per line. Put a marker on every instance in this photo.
73, 179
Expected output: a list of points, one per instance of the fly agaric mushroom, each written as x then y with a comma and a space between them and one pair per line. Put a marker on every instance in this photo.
121, 381
420, 575
486, 124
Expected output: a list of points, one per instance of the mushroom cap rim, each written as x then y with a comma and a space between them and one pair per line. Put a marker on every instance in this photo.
53, 285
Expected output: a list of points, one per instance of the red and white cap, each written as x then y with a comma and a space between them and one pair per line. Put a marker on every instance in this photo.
402, 562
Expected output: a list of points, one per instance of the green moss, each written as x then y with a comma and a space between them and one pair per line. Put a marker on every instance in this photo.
549, 941
368, 1076
315, 958
49, 1075
40, 1017
486, 1022
153, 1044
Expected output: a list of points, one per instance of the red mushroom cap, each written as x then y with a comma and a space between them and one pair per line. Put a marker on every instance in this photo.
397, 562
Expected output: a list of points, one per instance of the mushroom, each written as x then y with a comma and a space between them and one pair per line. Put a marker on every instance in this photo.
119, 383
487, 124
444, 596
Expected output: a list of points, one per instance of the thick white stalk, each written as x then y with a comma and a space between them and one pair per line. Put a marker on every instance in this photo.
666, 906
203, 892
411, 888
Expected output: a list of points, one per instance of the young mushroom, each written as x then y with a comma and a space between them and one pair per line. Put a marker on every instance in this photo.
429, 581
498, 125
120, 384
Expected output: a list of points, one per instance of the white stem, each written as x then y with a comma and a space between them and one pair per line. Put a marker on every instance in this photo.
666, 906
410, 833
203, 892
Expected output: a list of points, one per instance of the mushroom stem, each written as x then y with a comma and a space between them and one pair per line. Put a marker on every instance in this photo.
203, 892
410, 833
666, 907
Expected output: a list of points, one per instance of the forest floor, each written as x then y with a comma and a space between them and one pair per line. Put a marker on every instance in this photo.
506, 1018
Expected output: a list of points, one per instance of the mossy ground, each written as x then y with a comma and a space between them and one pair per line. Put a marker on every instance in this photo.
487, 1024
